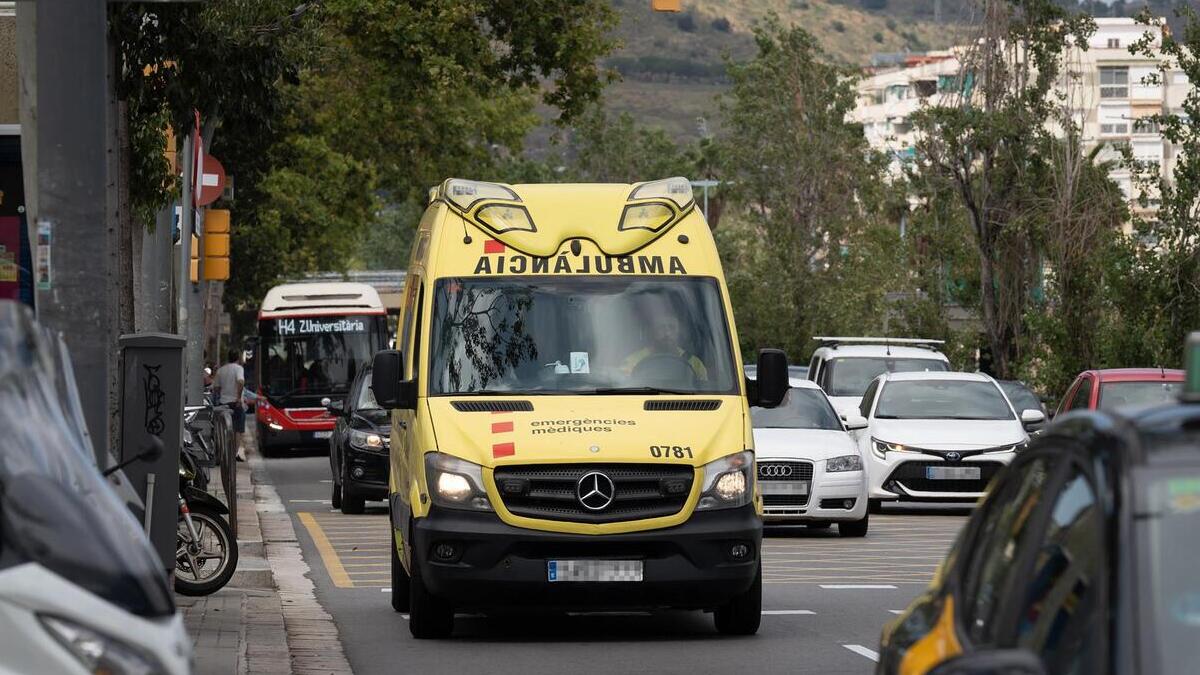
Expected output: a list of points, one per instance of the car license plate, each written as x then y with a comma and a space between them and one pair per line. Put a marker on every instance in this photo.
783, 487
952, 472
322, 434
594, 570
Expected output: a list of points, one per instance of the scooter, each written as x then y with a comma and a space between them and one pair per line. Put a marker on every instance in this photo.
206, 552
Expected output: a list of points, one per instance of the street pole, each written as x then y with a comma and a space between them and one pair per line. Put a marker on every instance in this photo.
72, 231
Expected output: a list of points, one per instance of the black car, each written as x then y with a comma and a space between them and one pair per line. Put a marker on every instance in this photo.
358, 448
1081, 559
1023, 398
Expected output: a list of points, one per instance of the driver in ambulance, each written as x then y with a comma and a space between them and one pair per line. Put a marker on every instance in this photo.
663, 331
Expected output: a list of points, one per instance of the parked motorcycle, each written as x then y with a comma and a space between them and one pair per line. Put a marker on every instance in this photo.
206, 551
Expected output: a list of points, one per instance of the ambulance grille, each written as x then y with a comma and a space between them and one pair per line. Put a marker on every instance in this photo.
492, 406
657, 404
548, 491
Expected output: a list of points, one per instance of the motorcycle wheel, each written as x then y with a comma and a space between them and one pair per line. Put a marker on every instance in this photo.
216, 556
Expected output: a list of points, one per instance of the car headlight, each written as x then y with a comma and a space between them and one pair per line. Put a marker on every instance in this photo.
1007, 448
365, 440
455, 483
881, 448
843, 463
728, 482
100, 653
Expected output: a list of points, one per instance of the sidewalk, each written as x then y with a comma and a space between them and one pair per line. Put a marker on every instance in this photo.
267, 619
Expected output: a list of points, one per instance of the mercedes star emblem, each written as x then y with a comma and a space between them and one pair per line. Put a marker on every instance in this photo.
595, 491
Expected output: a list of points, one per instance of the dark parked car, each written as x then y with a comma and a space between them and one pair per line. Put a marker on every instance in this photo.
1023, 398
358, 448
1081, 559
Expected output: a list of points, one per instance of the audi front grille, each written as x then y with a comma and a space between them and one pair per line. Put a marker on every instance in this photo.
796, 472
550, 491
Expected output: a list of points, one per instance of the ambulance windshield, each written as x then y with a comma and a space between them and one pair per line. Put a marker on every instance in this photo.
581, 335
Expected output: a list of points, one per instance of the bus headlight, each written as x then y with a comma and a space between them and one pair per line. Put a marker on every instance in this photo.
455, 483
728, 482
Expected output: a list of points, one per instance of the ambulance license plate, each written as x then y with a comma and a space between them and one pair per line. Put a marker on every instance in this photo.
952, 473
594, 570
779, 487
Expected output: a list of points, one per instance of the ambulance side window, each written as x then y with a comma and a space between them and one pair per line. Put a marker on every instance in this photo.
410, 299
416, 343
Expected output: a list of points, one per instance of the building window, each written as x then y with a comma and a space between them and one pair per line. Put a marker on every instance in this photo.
1114, 129
1114, 82
1145, 125
1114, 43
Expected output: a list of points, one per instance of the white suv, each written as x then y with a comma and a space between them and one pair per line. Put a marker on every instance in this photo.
844, 366
938, 436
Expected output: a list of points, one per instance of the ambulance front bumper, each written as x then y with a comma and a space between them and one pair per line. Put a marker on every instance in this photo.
695, 565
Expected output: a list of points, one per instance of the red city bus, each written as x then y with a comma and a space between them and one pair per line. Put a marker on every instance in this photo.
312, 340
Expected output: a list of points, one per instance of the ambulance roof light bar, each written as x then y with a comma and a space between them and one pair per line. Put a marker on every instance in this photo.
466, 193
677, 189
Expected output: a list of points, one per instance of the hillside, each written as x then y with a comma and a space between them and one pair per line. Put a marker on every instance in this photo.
672, 64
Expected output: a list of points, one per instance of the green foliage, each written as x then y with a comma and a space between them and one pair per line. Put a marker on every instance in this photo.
616, 150
838, 26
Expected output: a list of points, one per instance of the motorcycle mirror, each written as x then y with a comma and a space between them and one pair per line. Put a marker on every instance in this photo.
151, 453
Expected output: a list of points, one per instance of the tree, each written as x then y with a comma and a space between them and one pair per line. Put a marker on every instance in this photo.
809, 198
990, 147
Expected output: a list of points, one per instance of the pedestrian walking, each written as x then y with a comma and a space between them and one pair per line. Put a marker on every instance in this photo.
227, 386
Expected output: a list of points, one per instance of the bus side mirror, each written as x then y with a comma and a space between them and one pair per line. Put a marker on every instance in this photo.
390, 391
772, 378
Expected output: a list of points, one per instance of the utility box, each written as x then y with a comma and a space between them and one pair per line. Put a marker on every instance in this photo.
152, 407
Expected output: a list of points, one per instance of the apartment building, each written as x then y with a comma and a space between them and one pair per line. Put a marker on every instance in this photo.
1105, 87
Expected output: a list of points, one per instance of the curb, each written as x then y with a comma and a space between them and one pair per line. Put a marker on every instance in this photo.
313, 642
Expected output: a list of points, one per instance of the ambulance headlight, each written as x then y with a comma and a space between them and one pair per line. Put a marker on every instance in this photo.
645, 217
466, 193
677, 189
455, 483
501, 218
728, 482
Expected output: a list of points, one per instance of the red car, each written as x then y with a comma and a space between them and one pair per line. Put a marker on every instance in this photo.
1122, 388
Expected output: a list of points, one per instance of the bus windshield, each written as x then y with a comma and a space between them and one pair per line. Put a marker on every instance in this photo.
585, 335
304, 359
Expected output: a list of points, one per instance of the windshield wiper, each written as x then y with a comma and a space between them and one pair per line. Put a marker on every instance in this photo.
635, 390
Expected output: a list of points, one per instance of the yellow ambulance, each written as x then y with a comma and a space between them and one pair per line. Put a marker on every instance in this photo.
570, 424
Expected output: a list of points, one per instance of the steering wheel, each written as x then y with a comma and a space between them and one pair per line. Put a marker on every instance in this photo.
665, 369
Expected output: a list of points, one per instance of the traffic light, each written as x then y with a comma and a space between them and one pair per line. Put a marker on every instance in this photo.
216, 245
666, 5
194, 274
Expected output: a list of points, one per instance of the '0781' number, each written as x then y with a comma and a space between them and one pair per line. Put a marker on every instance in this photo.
670, 451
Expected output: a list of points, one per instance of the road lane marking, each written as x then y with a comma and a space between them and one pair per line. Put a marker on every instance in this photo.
787, 612
333, 565
310, 501
847, 587
863, 651
896, 611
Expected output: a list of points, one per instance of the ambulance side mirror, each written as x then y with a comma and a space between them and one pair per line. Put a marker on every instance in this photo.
392, 392
772, 378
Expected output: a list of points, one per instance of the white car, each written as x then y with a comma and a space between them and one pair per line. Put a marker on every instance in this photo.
844, 366
938, 436
809, 469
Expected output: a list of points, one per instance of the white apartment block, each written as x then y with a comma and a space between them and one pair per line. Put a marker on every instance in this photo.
1104, 87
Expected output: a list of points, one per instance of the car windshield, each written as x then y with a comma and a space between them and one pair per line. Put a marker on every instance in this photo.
942, 399
1168, 521
305, 359
590, 335
1124, 395
366, 396
1020, 396
801, 409
849, 376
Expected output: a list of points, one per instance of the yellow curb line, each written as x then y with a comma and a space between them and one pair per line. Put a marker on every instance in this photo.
333, 565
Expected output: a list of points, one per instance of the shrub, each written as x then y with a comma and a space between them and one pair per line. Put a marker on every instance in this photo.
686, 23
721, 24
878, 37
839, 26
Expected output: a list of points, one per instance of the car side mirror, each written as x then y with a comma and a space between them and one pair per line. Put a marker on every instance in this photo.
989, 662
854, 421
334, 407
772, 380
392, 392
1031, 417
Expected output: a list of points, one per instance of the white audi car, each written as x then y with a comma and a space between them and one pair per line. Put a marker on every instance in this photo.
809, 469
938, 437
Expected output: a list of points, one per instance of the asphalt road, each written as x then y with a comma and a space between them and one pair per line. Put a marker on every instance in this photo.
825, 600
